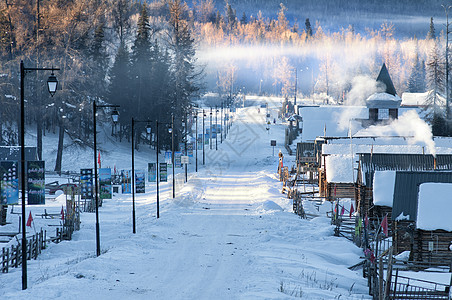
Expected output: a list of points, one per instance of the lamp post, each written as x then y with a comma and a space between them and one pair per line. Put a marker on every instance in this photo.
115, 117
196, 139
203, 138
210, 131
446, 10
185, 141
221, 122
148, 131
216, 128
171, 130
52, 84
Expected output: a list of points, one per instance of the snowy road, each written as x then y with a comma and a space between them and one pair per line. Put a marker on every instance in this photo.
228, 234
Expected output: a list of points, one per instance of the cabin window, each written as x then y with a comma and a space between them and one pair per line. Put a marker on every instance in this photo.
383, 114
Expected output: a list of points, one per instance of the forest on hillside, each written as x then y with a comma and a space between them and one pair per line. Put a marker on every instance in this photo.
154, 59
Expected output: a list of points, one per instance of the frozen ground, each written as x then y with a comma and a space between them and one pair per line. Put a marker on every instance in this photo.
228, 234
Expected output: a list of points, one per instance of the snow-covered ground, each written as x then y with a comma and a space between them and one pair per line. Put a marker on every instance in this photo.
228, 234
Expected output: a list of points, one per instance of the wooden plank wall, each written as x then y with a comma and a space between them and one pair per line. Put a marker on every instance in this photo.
439, 253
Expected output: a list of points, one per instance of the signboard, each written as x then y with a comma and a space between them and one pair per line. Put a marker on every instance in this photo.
273, 143
126, 183
86, 183
140, 184
182, 147
184, 160
9, 182
206, 139
163, 172
105, 189
36, 184
177, 162
152, 172
190, 147
168, 155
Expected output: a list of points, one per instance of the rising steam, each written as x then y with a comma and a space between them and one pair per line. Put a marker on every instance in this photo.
409, 125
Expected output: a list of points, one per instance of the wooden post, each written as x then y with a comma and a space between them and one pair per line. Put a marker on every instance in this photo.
395, 283
380, 278
389, 274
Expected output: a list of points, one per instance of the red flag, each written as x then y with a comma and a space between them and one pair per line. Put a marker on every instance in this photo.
30, 219
352, 210
98, 159
366, 220
342, 210
62, 213
334, 190
384, 225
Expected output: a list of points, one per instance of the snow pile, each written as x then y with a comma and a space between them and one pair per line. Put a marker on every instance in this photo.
270, 206
383, 188
339, 168
434, 206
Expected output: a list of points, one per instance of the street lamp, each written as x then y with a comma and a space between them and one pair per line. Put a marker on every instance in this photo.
171, 131
203, 138
184, 139
221, 122
148, 132
52, 84
114, 117
216, 128
196, 139
210, 132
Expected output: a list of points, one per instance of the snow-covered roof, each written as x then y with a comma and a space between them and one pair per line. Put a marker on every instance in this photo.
331, 120
383, 100
383, 188
419, 99
434, 206
341, 149
339, 168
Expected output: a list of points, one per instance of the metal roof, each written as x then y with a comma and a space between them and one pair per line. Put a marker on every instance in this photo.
384, 78
401, 162
406, 190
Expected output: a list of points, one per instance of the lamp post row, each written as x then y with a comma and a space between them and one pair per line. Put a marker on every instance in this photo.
52, 84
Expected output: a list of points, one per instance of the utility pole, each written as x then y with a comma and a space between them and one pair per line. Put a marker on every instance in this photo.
446, 10
296, 86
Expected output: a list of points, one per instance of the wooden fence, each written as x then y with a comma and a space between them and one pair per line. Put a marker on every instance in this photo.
12, 256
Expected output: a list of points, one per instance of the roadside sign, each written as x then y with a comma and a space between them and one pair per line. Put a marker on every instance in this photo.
184, 160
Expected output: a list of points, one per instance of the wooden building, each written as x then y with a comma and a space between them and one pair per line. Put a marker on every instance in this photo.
414, 228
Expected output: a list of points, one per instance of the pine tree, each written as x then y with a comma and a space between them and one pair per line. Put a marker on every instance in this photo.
120, 84
99, 66
431, 33
416, 81
308, 29
244, 19
185, 76
141, 62
435, 76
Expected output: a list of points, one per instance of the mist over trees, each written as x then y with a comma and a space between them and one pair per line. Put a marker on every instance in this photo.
154, 58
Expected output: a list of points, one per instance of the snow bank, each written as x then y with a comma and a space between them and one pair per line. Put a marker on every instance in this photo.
270, 206
434, 206
339, 168
384, 188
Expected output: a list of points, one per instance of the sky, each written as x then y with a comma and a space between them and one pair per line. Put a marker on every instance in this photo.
228, 234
